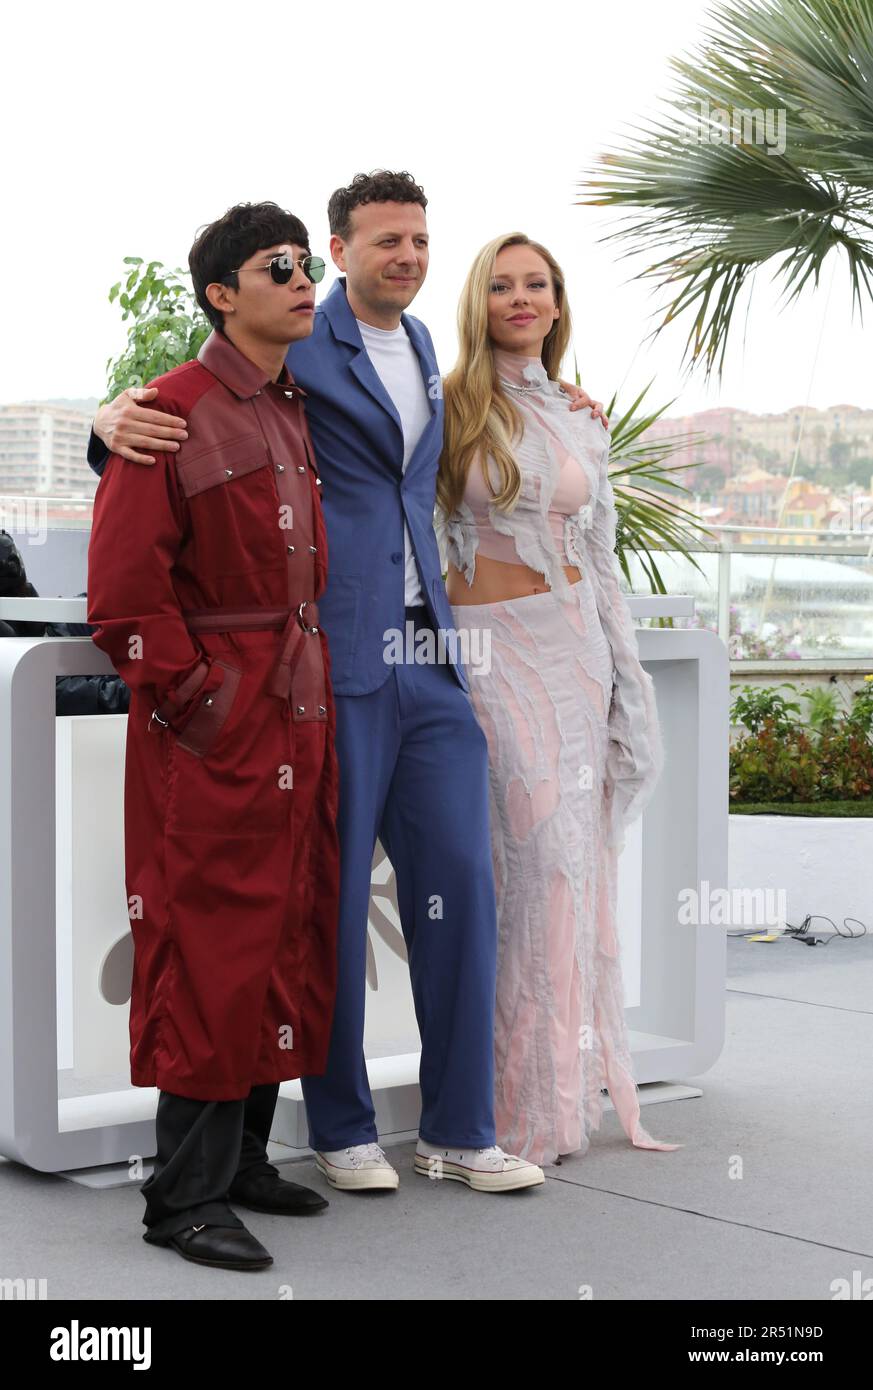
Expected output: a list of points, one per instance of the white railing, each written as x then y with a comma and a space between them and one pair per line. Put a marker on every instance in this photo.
35, 517
818, 543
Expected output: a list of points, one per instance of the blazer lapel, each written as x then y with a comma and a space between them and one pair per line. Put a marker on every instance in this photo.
345, 330
426, 447
366, 373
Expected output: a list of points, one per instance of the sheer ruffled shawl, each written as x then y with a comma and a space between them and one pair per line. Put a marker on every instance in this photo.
635, 756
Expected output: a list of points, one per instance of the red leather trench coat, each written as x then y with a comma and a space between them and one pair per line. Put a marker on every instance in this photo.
203, 576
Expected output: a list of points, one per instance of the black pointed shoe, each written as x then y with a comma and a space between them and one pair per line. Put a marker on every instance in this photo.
225, 1247
269, 1193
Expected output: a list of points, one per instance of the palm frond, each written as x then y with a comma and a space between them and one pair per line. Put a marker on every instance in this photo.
647, 519
763, 155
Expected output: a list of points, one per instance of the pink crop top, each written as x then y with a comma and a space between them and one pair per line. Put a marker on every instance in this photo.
571, 490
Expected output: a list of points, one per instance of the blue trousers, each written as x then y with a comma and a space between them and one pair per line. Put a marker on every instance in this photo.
413, 765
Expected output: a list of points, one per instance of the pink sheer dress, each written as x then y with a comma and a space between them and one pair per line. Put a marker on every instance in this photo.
574, 752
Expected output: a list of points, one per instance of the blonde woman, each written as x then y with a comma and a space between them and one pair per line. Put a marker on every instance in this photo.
569, 714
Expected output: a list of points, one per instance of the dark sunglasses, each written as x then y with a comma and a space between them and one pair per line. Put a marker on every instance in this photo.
281, 268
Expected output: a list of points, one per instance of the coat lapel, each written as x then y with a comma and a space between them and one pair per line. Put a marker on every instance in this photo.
345, 329
430, 443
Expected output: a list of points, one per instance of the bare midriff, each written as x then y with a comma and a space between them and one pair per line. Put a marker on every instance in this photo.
495, 581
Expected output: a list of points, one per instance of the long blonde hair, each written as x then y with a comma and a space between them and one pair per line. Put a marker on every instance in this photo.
478, 412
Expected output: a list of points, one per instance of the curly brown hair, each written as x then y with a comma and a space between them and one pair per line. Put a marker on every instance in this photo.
380, 186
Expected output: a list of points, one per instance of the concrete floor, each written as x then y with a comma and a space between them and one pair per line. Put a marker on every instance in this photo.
769, 1199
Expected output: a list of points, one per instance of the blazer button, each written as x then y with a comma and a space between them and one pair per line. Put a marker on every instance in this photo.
208, 700
318, 482
229, 472
322, 709
280, 468
397, 557
301, 709
290, 549
300, 468
312, 550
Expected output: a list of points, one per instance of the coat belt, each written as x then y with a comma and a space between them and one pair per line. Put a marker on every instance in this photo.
294, 623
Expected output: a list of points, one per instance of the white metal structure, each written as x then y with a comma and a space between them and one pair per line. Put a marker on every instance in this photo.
63, 905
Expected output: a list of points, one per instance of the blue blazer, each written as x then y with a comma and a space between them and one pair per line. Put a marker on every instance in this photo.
358, 442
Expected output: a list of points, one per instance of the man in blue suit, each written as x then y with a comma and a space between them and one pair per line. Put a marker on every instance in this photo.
412, 757
413, 760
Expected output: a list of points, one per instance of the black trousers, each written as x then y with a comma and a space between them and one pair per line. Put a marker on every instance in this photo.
204, 1149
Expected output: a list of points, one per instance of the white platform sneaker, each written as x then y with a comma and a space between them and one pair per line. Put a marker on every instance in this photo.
359, 1168
485, 1170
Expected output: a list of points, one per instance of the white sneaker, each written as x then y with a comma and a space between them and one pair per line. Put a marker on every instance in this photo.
359, 1167
485, 1170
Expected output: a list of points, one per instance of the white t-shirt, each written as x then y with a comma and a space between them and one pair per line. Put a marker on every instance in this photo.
397, 365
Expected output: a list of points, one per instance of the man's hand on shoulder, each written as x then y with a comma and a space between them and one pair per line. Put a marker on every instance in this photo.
127, 427
580, 400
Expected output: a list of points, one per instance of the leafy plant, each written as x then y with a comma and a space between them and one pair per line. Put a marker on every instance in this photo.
168, 326
757, 705
728, 206
845, 758
637, 470
773, 764
779, 760
822, 707
860, 715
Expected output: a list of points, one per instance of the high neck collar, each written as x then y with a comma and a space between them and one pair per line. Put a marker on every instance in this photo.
518, 369
237, 372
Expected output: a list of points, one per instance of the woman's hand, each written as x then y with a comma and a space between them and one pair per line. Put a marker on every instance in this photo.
580, 400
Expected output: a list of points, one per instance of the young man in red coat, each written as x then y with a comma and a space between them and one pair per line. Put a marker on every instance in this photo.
203, 577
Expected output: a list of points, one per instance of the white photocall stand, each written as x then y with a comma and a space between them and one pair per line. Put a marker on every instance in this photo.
66, 1102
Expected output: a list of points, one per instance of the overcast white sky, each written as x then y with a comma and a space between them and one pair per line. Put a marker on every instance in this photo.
126, 127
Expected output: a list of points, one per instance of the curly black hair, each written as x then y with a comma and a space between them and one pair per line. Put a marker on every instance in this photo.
380, 186
223, 246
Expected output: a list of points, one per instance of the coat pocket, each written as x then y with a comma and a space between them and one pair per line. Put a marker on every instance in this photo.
339, 610
220, 465
307, 682
233, 502
230, 771
203, 728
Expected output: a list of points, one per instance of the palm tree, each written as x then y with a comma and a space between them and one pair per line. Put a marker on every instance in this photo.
763, 154
648, 519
